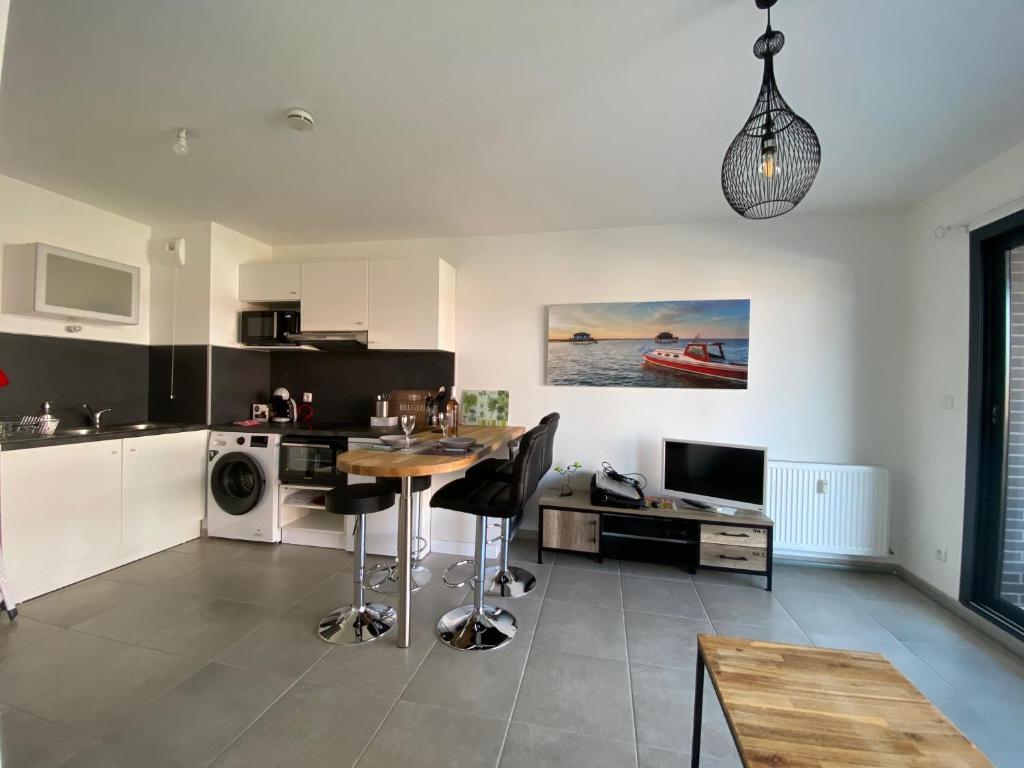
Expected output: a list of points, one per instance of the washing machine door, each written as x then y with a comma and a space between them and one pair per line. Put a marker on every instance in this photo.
237, 483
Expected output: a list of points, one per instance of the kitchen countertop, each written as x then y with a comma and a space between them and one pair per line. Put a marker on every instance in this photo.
323, 429
113, 432
118, 431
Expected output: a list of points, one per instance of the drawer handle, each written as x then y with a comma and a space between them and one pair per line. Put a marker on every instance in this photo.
735, 535
594, 523
733, 557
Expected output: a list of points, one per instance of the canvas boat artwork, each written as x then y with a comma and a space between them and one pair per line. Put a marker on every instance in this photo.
698, 344
699, 358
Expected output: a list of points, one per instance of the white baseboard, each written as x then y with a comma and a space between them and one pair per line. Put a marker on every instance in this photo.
962, 612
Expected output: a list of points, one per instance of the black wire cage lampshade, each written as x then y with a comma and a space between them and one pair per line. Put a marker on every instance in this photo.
773, 161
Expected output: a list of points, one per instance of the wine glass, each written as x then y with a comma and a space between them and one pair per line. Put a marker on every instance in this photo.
444, 421
408, 423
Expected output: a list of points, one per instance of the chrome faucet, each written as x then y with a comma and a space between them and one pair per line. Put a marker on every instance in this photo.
96, 416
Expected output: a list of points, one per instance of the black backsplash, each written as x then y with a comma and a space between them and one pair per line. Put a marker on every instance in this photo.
69, 372
240, 377
134, 379
189, 403
345, 384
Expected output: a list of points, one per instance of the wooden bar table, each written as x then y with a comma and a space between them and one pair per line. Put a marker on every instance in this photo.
406, 466
804, 707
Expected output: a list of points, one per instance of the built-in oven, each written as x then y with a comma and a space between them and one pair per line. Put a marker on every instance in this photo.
312, 460
263, 328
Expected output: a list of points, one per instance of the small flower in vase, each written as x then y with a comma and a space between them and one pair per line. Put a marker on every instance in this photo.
567, 472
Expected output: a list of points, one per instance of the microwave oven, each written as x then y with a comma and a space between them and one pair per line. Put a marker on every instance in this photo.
265, 328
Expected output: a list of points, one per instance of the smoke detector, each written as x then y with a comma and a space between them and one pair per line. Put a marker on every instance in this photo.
300, 120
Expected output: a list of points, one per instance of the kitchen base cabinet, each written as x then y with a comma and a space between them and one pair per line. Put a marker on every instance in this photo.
164, 482
58, 505
69, 512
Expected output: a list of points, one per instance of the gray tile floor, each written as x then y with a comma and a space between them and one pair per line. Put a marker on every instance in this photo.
206, 655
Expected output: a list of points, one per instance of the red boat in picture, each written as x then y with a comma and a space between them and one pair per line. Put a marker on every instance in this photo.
700, 358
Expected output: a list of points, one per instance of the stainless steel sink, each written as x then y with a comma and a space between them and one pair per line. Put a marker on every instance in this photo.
113, 428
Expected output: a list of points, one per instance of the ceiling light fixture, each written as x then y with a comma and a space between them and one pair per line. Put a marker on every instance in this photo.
181, 145
774, 159
300, 120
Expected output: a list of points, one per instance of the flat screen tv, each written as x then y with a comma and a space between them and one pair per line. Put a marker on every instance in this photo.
722, 477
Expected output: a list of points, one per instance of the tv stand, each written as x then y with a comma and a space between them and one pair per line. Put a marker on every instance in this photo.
685, 536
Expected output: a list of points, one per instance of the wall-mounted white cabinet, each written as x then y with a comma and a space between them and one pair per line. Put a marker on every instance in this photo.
334, 296
400, 303
264, 282
115, 501
411, 304
42, 279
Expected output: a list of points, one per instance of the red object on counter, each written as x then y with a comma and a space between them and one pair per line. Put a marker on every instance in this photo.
4, 381
304, 413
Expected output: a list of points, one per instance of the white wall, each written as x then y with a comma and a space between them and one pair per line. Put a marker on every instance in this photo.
186, 319
930, 492
826, 316
30, 214
228, 249
207, 306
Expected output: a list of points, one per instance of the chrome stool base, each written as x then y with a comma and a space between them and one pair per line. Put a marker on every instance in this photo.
421, 576
511, 581
357, 625
466, 629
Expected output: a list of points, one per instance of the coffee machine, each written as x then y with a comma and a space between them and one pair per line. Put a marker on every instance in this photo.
282, 407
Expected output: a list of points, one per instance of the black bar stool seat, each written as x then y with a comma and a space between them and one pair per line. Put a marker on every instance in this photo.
482, 627
359, 622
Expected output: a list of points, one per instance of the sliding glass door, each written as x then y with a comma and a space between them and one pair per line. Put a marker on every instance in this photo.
992, 582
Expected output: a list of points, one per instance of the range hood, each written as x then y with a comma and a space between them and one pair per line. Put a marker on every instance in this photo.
332, 341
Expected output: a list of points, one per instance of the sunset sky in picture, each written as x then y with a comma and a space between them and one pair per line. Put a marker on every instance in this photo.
712, 319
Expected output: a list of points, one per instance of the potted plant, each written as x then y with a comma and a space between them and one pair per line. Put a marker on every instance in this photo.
567, 472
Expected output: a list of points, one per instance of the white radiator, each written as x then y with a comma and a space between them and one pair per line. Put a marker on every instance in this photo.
829, 508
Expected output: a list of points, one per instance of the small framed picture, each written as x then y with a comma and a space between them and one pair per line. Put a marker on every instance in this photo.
261, 411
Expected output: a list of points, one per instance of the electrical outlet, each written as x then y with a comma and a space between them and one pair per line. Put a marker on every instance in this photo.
941, 554
947, 402
307, 397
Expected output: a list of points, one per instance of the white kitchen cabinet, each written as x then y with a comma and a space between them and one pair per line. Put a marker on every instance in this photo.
264, 282
411, 304
68, 512
334, 296
58, 504
163, 482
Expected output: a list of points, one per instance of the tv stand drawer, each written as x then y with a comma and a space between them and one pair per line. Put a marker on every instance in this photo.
752, 559
575, 531
734, 535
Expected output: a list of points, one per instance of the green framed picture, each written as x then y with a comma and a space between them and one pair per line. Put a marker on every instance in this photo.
484, 407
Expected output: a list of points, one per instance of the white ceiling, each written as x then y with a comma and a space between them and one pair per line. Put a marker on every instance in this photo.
455, 117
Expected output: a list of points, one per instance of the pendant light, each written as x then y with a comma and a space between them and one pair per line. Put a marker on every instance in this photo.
772, 162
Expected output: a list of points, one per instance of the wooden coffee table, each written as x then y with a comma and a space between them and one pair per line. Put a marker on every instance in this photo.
796, 706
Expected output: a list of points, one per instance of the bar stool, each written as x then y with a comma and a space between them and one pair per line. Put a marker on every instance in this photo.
421, 575
359, 622
482, 627
511, 580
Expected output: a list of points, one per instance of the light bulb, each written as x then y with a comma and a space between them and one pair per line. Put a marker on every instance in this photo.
181, 145
768, 167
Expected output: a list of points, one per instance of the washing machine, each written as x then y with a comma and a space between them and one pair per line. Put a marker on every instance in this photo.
241, 488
